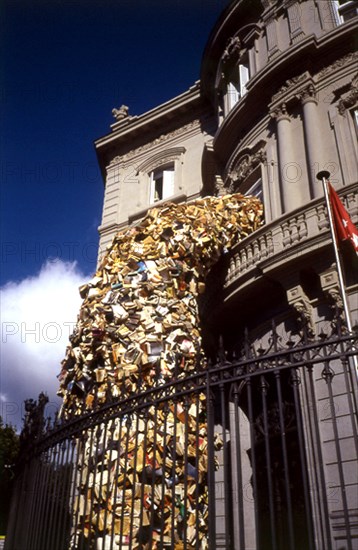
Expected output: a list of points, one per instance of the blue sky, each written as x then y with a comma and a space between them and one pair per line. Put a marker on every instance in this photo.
65, 65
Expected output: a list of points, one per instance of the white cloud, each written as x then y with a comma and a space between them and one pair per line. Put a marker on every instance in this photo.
37, 316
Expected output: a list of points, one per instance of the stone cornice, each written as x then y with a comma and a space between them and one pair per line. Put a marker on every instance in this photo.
194, 125
132, 126
179, 102
332, 68
290, 87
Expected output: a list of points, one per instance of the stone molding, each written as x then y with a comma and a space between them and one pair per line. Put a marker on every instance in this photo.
157, 141
163, 157
232, 52
292, 87
245, 161
297, 298
339, 63
350, 99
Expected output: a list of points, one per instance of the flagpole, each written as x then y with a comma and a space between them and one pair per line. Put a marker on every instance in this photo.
323, 176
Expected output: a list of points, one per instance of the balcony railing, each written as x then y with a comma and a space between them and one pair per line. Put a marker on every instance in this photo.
293, 234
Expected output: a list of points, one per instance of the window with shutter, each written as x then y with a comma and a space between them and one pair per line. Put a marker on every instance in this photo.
236, 87
161, 183
244, 78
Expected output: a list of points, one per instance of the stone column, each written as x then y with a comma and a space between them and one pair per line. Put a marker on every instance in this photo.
291, 186
313, 138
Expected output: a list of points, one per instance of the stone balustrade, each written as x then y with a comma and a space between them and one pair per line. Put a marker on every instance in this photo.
295, 233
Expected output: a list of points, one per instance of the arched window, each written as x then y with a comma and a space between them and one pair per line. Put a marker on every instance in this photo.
160, 174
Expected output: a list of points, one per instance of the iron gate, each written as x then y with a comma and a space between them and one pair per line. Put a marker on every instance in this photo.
256, 452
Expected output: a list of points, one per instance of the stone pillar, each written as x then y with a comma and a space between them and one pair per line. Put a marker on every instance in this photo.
291, 187
313, 139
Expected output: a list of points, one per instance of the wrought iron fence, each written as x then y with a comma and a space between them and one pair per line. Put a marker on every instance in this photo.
257, 452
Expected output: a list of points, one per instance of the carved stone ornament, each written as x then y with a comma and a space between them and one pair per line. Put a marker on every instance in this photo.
245, 166
330, 286
280, 112
308, 94
232, 50
163, 157
219, 187
351, 98
289, 85
298, 300
161, 139
120, 113
331, 69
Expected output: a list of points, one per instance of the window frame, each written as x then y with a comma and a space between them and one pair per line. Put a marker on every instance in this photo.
342, 8
166, 175
236, 82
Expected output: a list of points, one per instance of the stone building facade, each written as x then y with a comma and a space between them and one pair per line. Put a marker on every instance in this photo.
277, 102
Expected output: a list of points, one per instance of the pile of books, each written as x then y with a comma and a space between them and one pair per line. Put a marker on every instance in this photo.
138, 328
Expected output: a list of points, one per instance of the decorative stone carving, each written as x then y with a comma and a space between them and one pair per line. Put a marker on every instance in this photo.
294, 230
232, 50
219, 187
346, 60
289, 85
298, 300
330, 287
120, 113
308, 94
161, 139
351, 98
245, 166
280, 112
163, 157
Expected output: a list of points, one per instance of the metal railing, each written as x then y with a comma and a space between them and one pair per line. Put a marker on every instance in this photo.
256, 452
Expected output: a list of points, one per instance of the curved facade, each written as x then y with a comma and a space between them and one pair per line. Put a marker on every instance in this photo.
282, 80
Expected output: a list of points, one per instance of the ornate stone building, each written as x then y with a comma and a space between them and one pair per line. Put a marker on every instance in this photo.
255, 446
277, 102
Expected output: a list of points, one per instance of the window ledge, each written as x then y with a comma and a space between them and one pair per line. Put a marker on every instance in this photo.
182, 197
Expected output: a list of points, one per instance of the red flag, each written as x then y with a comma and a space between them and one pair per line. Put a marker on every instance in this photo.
345, 228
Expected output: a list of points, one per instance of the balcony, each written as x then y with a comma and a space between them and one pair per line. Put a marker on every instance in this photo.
294, 235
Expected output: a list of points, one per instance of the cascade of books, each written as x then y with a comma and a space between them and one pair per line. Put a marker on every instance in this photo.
142, 475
